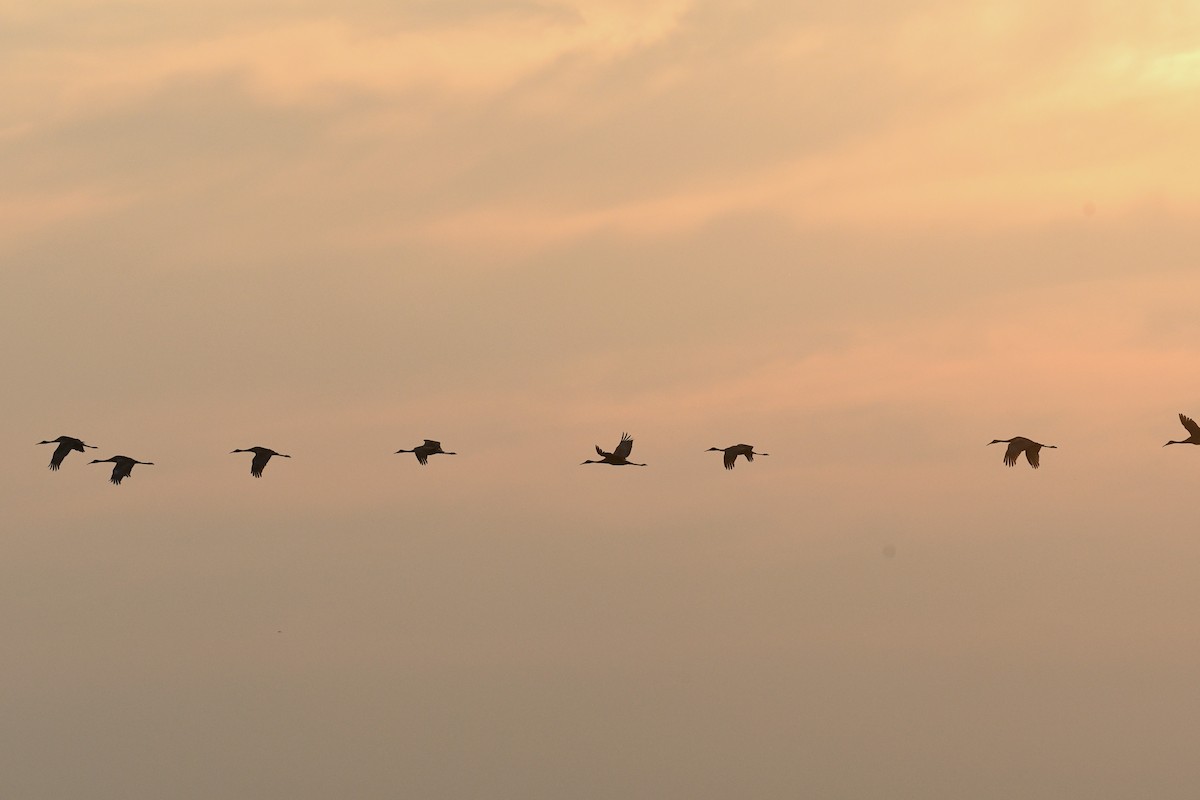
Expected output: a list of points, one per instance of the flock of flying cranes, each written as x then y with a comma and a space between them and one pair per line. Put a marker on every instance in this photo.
123, 465
619, 457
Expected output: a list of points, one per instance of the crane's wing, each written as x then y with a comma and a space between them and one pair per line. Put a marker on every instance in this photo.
422, 455
1013, 453
430, 443
749, 454
259, 463
60, 453
121, 472
625, 447
1033, 454
730, 458
1190, 424
603, 454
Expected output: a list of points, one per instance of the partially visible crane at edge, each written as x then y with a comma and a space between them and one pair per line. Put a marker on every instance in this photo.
1192, 428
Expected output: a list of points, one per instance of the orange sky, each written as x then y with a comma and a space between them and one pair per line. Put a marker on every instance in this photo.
867, 238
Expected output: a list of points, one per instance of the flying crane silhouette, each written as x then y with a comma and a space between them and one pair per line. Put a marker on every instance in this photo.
123, 466
1192, 428
261, 456
424, 451
619, 457
65, 445
733, 451
1018, 445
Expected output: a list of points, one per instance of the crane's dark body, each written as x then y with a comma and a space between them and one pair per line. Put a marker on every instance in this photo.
1192, 428
733, 451
1018, 445
65, 445
619, 457
424, 451
261, 456
123, 465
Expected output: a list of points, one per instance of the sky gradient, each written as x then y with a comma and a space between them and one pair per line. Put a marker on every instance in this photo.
867, 239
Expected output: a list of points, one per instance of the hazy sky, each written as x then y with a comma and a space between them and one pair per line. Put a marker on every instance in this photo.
865, 237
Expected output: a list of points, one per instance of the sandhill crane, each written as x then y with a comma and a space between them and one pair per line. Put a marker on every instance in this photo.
733, 451
424, 451
124, 466
65, 445
1192, 428
619, 457
261, 456
1019, 444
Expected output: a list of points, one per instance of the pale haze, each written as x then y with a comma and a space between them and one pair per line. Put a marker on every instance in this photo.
866, 238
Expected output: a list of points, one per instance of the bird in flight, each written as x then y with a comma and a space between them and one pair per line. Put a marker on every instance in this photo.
123, 466
261, 456
65, 445
1018, 445
732, 452
1192, 428
424, 451
619, 457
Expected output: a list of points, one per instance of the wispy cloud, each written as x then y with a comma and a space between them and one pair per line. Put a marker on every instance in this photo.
320, 60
